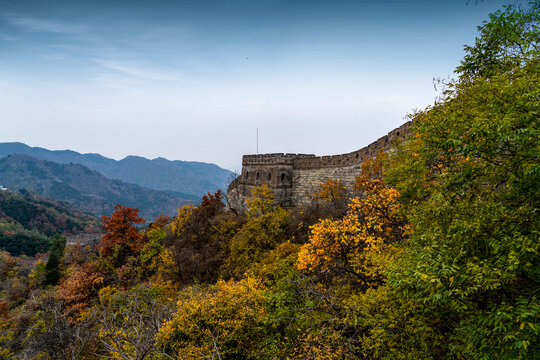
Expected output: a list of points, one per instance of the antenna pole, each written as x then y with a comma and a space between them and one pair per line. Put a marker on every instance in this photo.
257, 141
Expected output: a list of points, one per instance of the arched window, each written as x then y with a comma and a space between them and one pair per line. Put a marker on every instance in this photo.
269, 176
283, 176
247, 175
257, 176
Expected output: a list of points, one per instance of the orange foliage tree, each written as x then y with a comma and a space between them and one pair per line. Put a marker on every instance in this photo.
77, 290
121, 234
331, 190
352, 248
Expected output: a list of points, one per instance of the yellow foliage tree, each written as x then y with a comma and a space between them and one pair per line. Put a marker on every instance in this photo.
261, 201
128, 321
353, 248
223, 321
180, 221
332, 191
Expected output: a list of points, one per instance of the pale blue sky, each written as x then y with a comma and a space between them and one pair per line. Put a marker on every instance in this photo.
192, 80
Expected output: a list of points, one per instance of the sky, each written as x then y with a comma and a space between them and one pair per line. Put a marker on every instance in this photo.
194, 80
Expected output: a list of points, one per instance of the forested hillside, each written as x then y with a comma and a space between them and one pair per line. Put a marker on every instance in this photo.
434, 252
186, 179
83, 188
27, 222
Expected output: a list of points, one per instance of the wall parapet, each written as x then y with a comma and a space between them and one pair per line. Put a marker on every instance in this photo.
355, 157
278, 158
283, 171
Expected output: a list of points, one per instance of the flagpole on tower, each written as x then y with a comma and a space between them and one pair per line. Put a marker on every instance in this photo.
257, 141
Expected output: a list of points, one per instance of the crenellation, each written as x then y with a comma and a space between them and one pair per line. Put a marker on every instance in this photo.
295, 177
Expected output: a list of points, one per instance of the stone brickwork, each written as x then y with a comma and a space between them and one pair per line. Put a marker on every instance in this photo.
83, 239
295, 177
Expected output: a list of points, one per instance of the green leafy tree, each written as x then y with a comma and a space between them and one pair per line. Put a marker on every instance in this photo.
56, 252
509, 39
469, 182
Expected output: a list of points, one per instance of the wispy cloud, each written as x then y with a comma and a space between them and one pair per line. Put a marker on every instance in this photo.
136, 71
7, 37
115, 82
32, 24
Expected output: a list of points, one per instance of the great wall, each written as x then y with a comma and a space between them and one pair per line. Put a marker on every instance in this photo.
294, 178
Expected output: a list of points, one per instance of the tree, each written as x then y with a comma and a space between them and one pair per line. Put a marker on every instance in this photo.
121, 236
509, 39
261, 200
200, 239
225, 321
56, 252
334, 192
348, 249
259, 235
469, 183
79, 289
129, 321
52, 335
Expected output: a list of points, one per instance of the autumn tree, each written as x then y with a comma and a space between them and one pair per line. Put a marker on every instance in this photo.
255, 238
211, 204
129, 321
334, 192
350, 248
198, 242
121, 235
225, 321
153, 244
78, 290
261, 200
52, 335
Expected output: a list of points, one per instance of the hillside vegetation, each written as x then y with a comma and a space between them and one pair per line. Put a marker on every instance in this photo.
433, 254
27, 222
83, 188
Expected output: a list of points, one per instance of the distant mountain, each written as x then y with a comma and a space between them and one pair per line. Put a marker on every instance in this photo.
26, 222
187, 179
85, 189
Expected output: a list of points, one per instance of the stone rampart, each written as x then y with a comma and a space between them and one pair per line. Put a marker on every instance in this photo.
295, 177
83, 239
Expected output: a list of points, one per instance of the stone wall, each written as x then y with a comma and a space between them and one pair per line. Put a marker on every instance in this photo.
295, 177
83, 239
307, 181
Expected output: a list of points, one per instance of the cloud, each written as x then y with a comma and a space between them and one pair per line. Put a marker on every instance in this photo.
136, 71
6, 37
31, 24
115, 82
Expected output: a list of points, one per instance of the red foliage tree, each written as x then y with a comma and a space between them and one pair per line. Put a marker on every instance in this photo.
120, 231
211, 204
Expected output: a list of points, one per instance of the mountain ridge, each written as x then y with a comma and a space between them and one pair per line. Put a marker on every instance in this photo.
84, 188
190, 179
